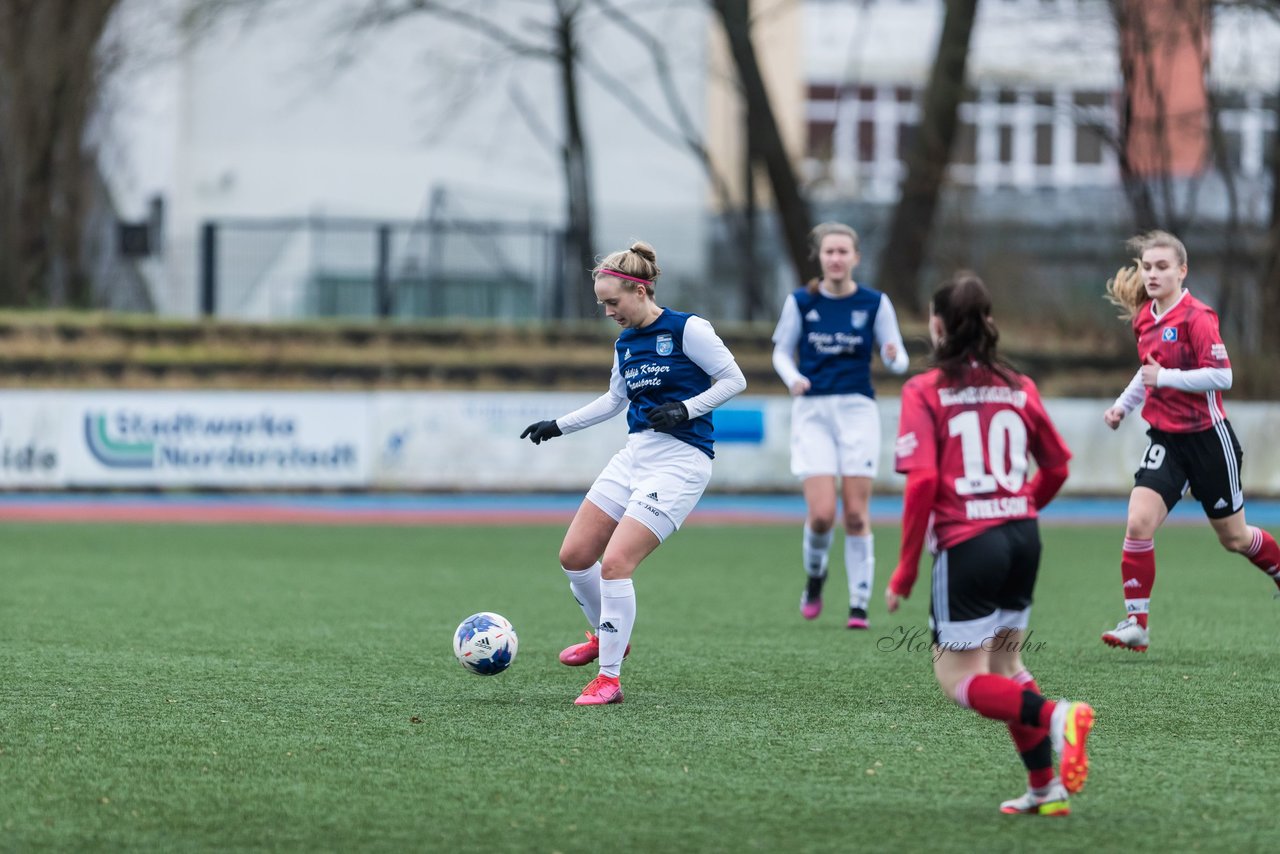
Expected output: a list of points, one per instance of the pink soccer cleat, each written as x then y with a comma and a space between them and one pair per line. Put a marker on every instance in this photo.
811, 598
600, 691
584, 653
858, 618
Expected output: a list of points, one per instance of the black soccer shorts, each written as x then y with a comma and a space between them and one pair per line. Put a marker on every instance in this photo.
1209, 462
984, 584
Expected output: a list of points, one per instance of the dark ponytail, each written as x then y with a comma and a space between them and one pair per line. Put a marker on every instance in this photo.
969, 335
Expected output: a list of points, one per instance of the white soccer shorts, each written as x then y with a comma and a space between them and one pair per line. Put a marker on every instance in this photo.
979, 633
835, 434
655, 479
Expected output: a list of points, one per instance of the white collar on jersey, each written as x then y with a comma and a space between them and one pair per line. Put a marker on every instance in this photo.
1157, 315
829, 295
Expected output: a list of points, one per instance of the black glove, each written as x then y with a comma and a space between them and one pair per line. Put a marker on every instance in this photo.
540, 431
668, 415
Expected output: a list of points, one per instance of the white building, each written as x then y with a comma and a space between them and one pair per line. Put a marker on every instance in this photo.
1045, 77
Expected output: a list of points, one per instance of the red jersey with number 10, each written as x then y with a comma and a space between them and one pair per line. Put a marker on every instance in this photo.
1185, 337
979, 437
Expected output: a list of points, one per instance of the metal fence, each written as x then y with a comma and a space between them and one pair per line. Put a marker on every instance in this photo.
282, 269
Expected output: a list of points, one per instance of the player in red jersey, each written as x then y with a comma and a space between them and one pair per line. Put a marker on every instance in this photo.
1184, 371
967, 432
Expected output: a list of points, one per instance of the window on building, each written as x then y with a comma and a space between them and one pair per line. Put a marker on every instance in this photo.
866, 141
1044, 128
906, 139
1044, 145
1091, 117
820, 140
1006, 144
1088, 144
1270, 105
1233, 143
964, 151
1022, 128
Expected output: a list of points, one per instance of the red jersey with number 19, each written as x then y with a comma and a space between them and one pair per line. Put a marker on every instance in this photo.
978, 436
1185, 337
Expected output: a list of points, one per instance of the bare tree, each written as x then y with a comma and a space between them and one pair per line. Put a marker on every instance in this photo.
1269, 269
1165, 148
507, 27
557, 42
1231, 284
1267, 317
579, 248
678, 129
1162, 145
50, 71
913, 217
529, 39
766, 142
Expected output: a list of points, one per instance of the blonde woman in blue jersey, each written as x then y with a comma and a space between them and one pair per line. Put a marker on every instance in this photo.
670, 369
822, 351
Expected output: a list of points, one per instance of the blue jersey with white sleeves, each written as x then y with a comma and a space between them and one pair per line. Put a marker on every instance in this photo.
656, 370
837, 339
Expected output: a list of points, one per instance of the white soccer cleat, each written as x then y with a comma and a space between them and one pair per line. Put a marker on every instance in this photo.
1052, 800
1129, 634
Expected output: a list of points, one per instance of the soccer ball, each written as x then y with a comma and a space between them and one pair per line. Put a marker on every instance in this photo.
485, 643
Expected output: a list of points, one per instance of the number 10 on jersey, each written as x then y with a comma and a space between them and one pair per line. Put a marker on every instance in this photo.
999, 462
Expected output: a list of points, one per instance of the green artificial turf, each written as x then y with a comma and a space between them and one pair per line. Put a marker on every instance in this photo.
202, 688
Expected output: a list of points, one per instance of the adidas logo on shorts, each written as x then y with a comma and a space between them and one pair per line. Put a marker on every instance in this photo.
652, 496
1222, 502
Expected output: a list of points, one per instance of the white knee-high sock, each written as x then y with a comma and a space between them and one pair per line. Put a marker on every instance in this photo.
815, 548
617, 616
860, 564
585, 586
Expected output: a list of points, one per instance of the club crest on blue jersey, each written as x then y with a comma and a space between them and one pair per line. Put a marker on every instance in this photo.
859, 319
1169, 333
665, 345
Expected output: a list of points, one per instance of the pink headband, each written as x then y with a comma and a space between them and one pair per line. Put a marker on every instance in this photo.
615, 273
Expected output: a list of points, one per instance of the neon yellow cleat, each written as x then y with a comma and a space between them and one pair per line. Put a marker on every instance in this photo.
1051, 801
1069, 731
